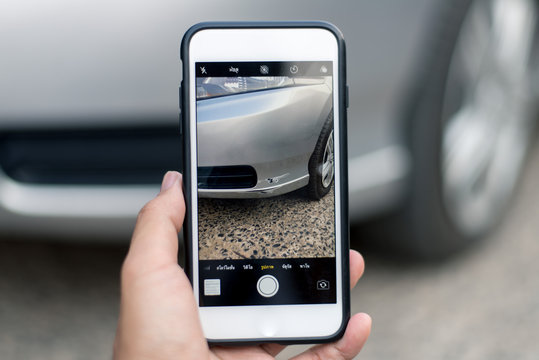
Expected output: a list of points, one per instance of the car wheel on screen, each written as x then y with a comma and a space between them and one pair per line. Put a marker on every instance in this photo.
471, 124
321, 163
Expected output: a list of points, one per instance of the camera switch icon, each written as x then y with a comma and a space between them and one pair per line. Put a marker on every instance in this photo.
322, 285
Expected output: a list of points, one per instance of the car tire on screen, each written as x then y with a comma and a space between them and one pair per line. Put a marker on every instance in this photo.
470, 125
321, 163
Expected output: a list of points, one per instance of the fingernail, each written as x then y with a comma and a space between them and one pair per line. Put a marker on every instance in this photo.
169, 179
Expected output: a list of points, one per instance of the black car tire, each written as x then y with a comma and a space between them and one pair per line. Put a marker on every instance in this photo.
318, 185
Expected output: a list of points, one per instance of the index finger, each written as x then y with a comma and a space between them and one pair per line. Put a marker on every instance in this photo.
357, 266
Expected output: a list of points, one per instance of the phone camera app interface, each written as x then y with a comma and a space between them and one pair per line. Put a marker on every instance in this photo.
265, 180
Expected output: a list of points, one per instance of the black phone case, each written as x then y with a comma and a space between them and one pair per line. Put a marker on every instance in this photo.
187, 166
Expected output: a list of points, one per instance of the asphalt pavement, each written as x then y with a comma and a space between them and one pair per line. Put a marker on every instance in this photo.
60, 301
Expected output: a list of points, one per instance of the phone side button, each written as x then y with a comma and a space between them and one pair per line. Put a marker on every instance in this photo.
180, 101
180, 97
181, 123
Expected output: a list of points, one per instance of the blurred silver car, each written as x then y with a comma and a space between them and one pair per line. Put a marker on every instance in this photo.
264, 143
442, 110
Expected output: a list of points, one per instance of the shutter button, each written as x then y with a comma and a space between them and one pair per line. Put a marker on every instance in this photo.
267, 286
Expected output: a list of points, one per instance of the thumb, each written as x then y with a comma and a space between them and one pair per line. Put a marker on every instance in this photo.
155, 239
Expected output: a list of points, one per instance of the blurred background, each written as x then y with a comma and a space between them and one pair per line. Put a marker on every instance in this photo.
443, 165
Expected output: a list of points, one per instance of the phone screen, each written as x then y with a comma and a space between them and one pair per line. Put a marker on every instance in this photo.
265, 182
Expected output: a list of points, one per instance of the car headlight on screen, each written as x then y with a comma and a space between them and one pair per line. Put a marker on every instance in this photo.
210, 87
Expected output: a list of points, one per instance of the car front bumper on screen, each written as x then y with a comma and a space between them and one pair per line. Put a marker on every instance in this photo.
272, 131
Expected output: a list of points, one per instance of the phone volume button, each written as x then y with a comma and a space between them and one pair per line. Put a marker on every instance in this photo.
180, 97
180, 101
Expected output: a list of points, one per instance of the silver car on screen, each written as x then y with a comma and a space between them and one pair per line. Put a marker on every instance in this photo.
257, 136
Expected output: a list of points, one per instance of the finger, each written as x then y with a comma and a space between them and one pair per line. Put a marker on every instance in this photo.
357, 332
357, 266
247, 352
155, 239
273, 349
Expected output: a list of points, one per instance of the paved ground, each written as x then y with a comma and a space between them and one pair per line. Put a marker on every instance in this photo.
60, 302
290, 225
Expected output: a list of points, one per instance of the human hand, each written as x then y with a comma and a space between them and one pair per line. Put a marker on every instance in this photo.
158, 312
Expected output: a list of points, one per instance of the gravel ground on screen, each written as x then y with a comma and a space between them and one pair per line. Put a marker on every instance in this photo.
286, 226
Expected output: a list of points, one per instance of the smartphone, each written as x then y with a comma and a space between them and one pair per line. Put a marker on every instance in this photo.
265, 174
